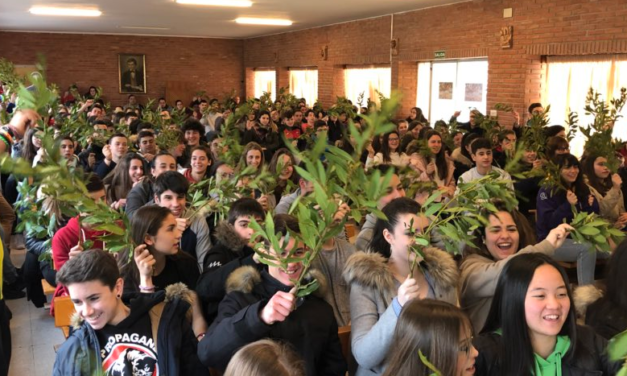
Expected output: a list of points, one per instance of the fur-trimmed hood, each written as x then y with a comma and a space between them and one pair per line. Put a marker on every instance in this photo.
225, 234
245, 278
371, 270
583, 296
149, 301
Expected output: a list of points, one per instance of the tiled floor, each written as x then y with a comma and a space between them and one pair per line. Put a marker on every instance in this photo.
33, 335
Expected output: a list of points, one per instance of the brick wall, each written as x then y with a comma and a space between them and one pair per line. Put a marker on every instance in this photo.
212, 65
466, 30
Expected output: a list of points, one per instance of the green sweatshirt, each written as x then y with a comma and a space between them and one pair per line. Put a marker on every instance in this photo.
552, 365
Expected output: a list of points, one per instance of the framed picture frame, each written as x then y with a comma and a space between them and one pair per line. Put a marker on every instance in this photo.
132, 73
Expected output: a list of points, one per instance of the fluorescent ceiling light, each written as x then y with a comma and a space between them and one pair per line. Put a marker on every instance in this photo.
144, 27
56, 11
263, 21
219, 3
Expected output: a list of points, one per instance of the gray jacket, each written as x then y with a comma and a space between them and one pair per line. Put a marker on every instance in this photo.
365, 235
372, 289
479, 276
283, 207
140, 195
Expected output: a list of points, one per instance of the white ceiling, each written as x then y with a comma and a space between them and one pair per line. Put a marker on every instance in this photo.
199, 21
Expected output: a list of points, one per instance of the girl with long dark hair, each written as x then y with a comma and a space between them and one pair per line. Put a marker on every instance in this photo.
382, 282
119, 182
436, 168
555, 206
389, 153
506, 236
606, 189
532, 329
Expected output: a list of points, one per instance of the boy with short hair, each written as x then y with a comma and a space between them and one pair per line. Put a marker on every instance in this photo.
116, 148
117, 336
262, 305
481, 153
170, 191
233, 235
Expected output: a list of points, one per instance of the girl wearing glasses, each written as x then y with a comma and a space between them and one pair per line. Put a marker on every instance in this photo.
390, 152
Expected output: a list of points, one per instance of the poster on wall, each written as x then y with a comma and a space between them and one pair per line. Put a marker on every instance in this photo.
446, 90
131, 71
474, 92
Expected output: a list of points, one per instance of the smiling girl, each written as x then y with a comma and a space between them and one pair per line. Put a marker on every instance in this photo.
506, 236
532, 330
606, 189
437, 168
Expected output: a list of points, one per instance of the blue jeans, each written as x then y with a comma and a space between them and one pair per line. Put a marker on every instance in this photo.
586, 260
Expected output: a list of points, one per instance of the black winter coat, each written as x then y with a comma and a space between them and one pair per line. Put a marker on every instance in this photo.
589, 357
311, 328
606, 318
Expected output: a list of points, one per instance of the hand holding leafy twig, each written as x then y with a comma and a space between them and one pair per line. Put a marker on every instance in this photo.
617, 182
408, 290
558, 235
278, 307
76, 250
182, 224
571, 197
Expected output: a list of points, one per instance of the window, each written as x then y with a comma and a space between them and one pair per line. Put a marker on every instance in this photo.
448, 86
304, 84
367, 81
265, 81
568, 80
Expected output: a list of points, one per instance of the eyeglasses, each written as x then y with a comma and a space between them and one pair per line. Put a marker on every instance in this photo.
466, 345
392, 139
564, 149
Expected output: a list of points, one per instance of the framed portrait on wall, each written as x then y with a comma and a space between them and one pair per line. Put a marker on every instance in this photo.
132, 73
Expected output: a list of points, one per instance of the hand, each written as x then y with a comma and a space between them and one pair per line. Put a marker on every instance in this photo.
538, 163
278, 308
144, 260
621, 221
617, 182
108, 155
590, 200
341, 212
263, 201
149, 157
76, 250
119, 204
430, 168
139, 181
24, 119
457, 113
182, 224
370, 150
91, 160
557, 236
571, 197
408, 290
516, 117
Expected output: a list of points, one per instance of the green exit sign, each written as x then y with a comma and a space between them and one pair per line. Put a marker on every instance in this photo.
439, 54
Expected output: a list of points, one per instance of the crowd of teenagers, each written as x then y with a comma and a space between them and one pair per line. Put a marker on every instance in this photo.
194, 296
